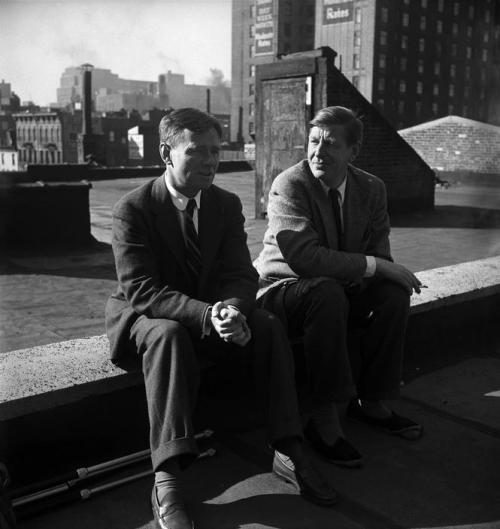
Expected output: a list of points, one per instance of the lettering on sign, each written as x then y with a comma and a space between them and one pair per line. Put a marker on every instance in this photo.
264, 27
337, 12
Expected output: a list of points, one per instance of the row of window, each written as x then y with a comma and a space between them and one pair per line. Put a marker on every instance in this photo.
403, 107
42, 156
384, 12
419, 88
32, 134
13, 159
382, 59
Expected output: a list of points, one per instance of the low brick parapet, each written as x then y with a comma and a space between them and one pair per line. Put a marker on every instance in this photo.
43, 377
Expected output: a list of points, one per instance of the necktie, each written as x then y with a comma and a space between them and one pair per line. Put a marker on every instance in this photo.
335, 201
193, 255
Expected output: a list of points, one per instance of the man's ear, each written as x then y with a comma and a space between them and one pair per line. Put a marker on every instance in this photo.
165, 153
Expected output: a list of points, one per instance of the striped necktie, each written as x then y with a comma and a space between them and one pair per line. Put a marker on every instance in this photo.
335, 201
193, 255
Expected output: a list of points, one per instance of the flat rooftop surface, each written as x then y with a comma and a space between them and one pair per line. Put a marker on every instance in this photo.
59, 295
448, 479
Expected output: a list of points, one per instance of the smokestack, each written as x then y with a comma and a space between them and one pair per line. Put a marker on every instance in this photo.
208, 100
87, 98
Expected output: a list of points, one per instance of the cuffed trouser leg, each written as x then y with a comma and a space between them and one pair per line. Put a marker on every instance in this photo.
379, 364
322, 314
274, 374
171, 378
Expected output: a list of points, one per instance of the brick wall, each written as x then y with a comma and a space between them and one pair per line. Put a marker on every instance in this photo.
455, 144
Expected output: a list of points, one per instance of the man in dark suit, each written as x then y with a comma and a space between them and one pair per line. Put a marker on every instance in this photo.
187, 290
326, 261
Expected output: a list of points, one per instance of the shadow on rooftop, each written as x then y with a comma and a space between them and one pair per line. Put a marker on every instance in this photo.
449, 217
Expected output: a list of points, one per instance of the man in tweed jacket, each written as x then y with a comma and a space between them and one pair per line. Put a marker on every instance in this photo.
326, 261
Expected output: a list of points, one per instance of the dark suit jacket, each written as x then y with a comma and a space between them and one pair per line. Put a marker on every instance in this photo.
151, 266
301, 239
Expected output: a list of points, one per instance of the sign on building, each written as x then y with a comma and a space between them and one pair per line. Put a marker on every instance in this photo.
337, 11
264, 27
135, 144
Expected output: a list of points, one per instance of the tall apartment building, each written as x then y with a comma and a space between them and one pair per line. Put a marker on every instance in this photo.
417, 60
262, 31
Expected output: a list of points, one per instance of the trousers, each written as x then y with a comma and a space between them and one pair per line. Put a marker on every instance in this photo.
321, 317
171, 369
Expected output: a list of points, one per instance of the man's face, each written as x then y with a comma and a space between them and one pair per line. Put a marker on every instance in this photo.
192, 163
329, 154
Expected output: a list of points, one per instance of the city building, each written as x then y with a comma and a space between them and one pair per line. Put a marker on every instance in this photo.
418, 60
263, 30
458, 148
9, 100
70, 90
9, 159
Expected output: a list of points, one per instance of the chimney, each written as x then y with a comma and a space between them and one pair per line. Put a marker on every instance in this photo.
87, 98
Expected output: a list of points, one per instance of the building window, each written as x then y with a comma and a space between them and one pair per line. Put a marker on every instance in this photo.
471, 12
434, 108
357, 15
454, 50
453, 70
401, 107
420, 66
486, 37
111, 135
380, 103
251, 50
456, 8
435, 90
384, 15
469, 31
483, 75
465, 111
466, 91
383, 38
357, 38
451, 91
403, 64
355, 61
487, 16
406, 19
468, 52
252, 31
381, 60
420, 87
439, 27
484, 55
252, 10
467, 72
250, 109
423, 23
440, 5
381, 84
402, 87
251, 127
251, 89
421, 45
355, 81
423, 3
251, 70
439, 49
404, 42
450, 110
454, 29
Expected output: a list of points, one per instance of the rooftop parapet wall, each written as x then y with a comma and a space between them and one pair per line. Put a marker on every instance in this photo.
456, 144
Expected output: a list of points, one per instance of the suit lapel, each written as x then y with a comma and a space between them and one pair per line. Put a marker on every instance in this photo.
322, 201
354, 212
210, 226
167, 222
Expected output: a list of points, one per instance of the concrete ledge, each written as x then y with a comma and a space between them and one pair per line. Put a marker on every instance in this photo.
44, 377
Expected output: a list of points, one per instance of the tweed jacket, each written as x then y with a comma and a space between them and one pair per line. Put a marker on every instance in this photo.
301, 239
149, 251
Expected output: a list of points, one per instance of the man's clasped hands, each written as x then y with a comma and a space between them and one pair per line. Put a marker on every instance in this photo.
230, 324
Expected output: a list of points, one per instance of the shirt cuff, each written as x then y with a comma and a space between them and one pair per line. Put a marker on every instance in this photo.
371, 266
207, 324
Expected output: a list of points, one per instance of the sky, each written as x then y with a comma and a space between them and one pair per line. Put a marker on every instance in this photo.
135, 39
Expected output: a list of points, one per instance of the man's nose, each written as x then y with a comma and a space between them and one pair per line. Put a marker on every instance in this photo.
321, 147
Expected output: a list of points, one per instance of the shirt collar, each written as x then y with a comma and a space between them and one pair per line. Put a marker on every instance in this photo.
340, 188
178, 199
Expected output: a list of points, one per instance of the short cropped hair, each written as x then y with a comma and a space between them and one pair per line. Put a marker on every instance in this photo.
329, 116
172, 125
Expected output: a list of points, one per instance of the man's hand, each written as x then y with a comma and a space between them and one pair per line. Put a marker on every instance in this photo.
230, 324
399, 274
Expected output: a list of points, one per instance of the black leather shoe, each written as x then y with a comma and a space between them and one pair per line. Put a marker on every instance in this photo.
342, 453
394, 425
309, 483
171, 513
